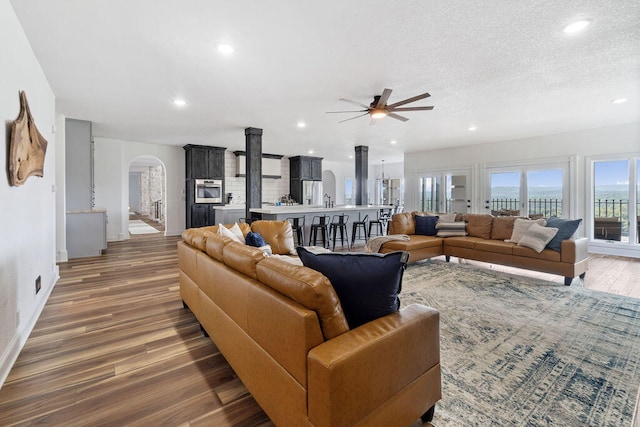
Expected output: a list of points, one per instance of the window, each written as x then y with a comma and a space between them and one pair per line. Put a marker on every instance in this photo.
613, 212
535, 191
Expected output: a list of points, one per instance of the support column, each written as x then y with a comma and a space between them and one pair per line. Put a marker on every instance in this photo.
362, 174
253, 196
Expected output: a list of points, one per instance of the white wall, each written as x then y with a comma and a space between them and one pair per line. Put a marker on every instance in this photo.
576, 145
27, 217
112, 159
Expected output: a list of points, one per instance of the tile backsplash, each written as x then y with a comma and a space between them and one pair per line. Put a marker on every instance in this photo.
272, 189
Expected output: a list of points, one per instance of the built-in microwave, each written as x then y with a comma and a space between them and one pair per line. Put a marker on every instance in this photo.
208, 191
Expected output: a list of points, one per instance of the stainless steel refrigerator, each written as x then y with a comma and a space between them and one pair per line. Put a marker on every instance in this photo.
312, 193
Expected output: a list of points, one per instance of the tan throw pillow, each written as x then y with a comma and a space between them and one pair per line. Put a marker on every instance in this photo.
520, 226
447, 217
537, 237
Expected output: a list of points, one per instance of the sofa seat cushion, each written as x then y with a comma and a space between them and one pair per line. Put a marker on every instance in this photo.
415, 242
546, 254
367, 284
462, 242
495, 246
308, 288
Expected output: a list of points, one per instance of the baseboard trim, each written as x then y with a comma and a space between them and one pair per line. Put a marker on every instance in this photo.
18, 341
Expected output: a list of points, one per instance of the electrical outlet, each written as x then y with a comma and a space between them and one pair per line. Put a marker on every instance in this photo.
38, 284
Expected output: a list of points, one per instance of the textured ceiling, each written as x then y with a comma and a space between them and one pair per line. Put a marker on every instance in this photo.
504, 66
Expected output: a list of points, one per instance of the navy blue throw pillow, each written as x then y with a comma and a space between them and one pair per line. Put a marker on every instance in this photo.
254, 239
426, 225
566, 228
366, 284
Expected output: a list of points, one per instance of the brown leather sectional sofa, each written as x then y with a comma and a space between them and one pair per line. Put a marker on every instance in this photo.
485, 241
282, 329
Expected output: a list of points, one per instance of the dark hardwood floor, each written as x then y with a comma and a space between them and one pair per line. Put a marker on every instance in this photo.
114, 346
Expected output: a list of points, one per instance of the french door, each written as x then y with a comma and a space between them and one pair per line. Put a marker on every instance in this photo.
444, 192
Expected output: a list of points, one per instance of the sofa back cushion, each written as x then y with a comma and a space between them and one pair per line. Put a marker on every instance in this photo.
242, 258
197, 237
277, 234
502, 227
402, 223
215, 246
479, 225
367, 284
308, 288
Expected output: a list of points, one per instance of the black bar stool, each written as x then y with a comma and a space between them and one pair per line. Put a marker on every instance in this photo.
381, 221
297, 226
319, 223
359, 226
339, 223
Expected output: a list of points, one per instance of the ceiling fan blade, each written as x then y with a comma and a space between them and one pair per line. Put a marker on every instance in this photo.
411, 109
397, 116
383, 98
408, 100
354, 102
346, 120
350, 111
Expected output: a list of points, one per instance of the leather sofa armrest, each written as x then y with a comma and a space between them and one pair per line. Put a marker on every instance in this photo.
354, 373
573, 251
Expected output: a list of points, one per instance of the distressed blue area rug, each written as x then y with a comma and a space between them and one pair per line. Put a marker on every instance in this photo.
518, 351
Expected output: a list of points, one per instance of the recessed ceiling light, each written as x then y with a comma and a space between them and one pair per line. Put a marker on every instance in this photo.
301, 124
393, 142
351, 157
179, 102
225, 48
576, 26
619, 101
310, 151
473, 128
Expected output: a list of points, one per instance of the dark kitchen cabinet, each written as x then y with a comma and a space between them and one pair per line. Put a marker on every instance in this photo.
202, 162
305, 168
201, 215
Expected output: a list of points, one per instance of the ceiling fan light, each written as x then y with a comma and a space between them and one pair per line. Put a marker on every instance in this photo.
378, 113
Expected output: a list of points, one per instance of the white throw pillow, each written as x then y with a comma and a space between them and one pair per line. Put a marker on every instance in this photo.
224, 231
236, 230
521, 225
537, 237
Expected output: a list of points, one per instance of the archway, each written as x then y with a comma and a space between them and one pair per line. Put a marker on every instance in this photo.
329, 184
147, 196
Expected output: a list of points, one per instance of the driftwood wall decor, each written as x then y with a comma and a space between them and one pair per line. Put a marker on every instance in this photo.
27, 147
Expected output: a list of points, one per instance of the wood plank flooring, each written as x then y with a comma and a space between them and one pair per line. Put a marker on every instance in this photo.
114, 346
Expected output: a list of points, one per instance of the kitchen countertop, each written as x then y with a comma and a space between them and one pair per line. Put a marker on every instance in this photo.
275, 210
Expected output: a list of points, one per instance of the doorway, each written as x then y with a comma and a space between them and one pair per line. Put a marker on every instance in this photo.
147, 196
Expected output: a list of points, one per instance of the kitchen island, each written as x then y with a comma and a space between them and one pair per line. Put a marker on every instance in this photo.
355, 213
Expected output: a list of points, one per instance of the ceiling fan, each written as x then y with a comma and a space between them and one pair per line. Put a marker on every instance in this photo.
379, 108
